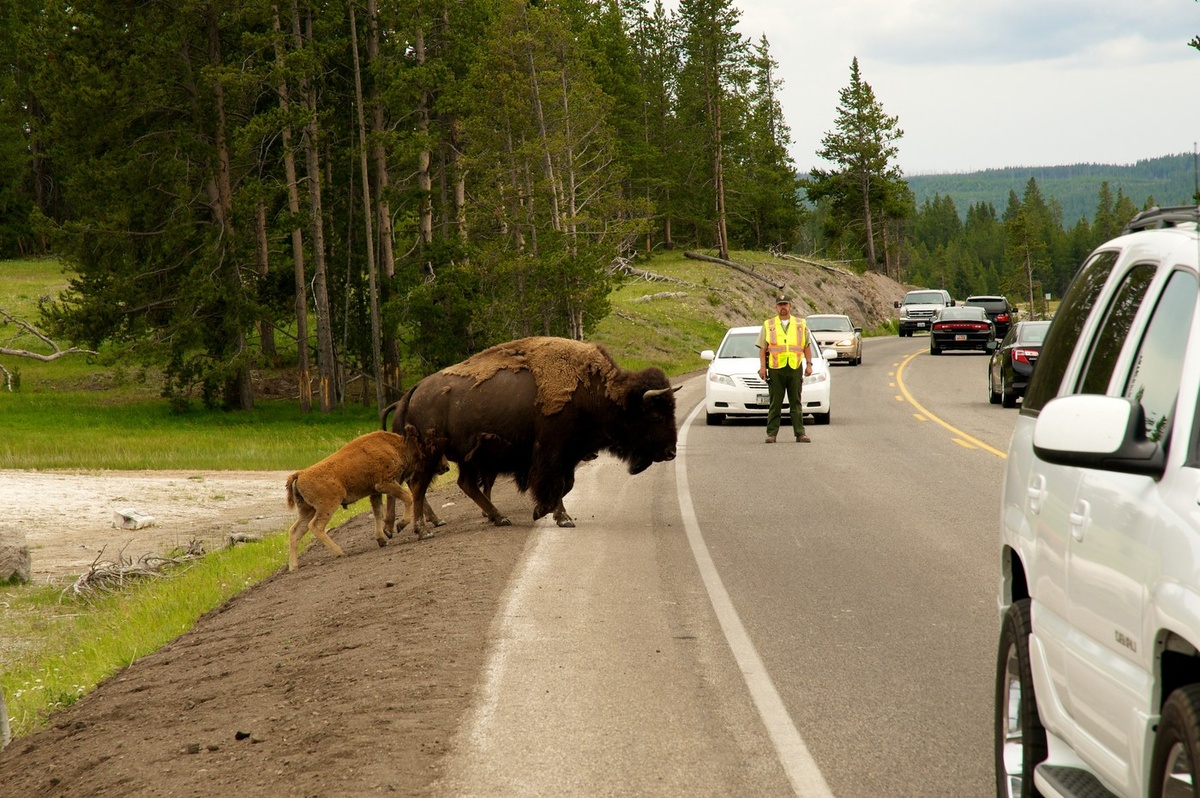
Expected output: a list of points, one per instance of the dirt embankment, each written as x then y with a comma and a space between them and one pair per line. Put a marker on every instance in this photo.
347, 677
814, 286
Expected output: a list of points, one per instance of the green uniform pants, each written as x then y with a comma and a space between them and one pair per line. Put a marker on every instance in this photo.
791, 381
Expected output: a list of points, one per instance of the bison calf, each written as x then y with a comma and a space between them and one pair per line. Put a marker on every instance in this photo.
374, 465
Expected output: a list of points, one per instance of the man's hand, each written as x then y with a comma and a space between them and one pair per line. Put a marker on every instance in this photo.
762, 372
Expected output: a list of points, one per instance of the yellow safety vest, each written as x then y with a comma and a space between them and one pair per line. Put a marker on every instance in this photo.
785, 347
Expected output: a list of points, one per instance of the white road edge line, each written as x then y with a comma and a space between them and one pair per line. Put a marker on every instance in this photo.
797, 762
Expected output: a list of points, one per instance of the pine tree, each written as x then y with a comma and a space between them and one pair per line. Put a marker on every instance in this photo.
712, 87
862, 145
763, 208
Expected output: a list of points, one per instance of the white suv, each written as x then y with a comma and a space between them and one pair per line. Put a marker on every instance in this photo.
1098, 673
918, 309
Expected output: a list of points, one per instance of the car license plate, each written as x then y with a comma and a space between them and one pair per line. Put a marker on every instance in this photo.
960, 338
921, 324
764, 398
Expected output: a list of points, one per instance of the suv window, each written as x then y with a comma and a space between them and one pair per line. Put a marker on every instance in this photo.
1154, 380
1106, 347
1064, 332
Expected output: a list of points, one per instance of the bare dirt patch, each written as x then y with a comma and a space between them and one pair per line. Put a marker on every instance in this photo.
347, 677
67, 519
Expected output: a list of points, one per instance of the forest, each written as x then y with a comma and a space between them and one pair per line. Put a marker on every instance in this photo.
359, 189
417, 179
1171, 179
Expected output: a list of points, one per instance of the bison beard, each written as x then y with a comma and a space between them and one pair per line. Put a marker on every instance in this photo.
535, 408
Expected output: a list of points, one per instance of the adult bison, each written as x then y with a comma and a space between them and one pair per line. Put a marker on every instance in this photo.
534, 408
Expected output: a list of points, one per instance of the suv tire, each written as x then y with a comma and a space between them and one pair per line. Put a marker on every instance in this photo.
1175, 765
1020, 738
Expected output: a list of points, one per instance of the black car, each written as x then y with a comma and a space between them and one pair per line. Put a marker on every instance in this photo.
998, 309
960, 328
1013, 360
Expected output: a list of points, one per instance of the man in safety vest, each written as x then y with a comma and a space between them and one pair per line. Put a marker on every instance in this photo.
782, 342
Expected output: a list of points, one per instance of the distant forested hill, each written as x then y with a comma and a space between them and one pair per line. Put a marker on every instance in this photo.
1170, 180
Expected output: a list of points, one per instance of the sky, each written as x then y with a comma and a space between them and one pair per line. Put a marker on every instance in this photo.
984, 84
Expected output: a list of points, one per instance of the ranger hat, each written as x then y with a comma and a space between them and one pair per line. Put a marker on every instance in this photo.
783, 299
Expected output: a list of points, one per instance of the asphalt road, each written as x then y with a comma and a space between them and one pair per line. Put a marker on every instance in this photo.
792, 619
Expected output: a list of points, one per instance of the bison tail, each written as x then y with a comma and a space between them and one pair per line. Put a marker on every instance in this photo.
387, 411
400, 407
292, 490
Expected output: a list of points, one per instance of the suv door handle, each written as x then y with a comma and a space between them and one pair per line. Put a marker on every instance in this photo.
1036, 493
1079, 519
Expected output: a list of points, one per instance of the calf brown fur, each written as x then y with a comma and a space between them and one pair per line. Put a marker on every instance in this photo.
374, 465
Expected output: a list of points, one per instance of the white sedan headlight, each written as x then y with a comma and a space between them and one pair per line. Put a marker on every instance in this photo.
721, 378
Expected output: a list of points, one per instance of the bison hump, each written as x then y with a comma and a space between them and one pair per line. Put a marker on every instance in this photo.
558, 365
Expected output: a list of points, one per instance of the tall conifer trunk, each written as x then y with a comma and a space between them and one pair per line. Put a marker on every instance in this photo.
368, 218
303, 368
328, 390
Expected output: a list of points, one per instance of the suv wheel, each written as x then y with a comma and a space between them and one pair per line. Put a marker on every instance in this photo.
1175, 766
1020, 736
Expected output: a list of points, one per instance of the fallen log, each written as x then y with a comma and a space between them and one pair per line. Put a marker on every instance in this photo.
661, 295
826, 266
735, 266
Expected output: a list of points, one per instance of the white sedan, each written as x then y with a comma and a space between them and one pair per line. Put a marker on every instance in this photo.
732, 386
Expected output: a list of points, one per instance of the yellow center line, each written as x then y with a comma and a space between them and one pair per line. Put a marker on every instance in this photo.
965, 438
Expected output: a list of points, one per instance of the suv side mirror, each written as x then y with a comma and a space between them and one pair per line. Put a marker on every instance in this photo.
952, 303
1096, 431
896, 304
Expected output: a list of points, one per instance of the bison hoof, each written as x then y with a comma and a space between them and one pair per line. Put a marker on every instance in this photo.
389, 533
424, 534
382, 543
566, 522
502, 521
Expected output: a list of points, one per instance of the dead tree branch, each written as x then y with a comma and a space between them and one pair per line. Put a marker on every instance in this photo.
623, 266
29, 328
106, 576
735, 266
826, 266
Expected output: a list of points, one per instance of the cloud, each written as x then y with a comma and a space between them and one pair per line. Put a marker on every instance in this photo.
932, 32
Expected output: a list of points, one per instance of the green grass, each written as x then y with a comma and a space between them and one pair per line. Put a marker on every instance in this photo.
70, 431
23, 282
55, 647
668, 333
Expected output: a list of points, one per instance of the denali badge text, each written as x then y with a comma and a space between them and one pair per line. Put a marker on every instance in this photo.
1126, 641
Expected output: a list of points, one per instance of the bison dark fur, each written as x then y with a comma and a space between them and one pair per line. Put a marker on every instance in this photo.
502, 423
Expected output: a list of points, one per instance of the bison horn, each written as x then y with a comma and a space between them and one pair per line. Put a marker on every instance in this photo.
653, 392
